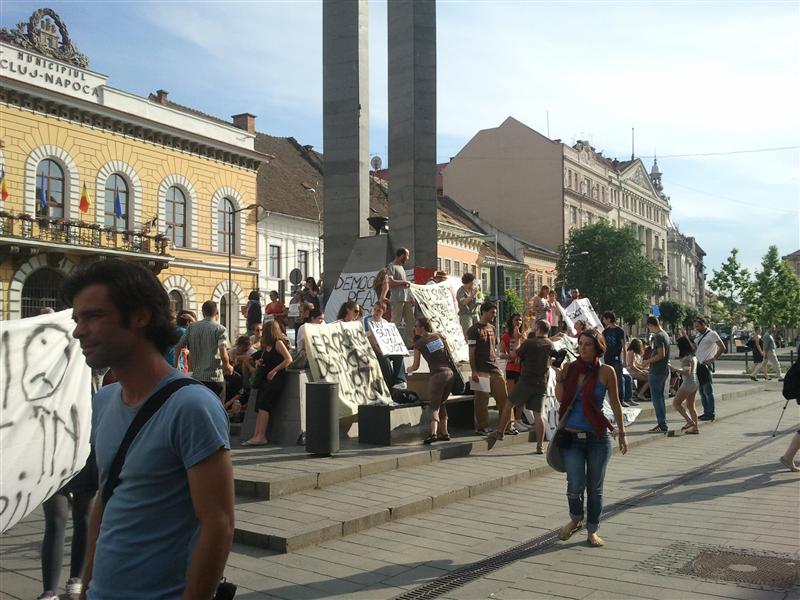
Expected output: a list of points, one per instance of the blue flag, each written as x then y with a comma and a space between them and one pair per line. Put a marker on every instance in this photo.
117, 204
43, 194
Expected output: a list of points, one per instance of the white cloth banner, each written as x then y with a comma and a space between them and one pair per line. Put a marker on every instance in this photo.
351, 286
581, 310
340, 353
46, 411
388, 337
436, 303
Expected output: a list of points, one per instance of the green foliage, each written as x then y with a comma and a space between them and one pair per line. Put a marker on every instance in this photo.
774, 297
672, 313
607, 265
689, 314
513, 303
732, 284
717, 312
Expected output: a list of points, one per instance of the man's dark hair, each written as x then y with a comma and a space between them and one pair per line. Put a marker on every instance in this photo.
401, 251
487, 306
315, 313
209, 308
609, 314
700, 320
184, 320
467, 278
542, 326
653, 321
131, 287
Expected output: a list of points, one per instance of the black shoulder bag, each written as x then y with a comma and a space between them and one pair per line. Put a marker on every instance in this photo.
225, 590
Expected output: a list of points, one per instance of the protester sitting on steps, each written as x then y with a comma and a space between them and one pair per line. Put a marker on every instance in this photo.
580, 390
274, 360
393, 366
633, 361
689, 386
440, 381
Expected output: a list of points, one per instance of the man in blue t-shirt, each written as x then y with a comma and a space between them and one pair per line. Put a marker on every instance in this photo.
166, 531
659, 372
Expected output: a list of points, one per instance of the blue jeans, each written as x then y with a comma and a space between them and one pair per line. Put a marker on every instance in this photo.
586, 462
707, 398
617, 366
398, 368
657, 383
628, 384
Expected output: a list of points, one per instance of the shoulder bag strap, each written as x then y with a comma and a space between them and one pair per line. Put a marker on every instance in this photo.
150, 407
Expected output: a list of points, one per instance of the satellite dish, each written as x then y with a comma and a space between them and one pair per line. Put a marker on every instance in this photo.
376, 163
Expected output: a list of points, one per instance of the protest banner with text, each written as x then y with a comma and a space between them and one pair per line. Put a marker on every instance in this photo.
388, 338
436, 303
351, 286
46, 411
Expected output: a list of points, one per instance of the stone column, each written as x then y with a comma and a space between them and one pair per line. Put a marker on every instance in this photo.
345, 124
412, 128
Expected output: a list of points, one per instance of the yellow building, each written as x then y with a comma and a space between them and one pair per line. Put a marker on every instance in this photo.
165, 185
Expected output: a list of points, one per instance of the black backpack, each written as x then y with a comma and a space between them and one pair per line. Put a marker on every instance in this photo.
791, 382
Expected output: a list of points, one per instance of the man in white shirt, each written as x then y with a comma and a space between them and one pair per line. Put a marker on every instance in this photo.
709, 347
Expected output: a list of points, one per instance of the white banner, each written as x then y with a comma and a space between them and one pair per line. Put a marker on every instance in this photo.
340, 353
581, 310
351, 286
388, 337
46, 411
436, 303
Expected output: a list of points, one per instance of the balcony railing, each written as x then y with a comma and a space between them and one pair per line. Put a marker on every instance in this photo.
77, 233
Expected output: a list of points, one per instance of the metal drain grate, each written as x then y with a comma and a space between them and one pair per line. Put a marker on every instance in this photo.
476, 570
742, 567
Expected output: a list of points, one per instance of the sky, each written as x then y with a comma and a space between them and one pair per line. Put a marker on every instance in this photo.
711, 88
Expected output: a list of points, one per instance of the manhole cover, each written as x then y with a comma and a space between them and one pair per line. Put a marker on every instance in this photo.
772, 571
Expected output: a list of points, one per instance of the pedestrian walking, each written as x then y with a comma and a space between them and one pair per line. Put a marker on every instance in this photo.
770, 357
481, 340
432, 346
689, 385
580, 390
164, 529
658, 372
709, 347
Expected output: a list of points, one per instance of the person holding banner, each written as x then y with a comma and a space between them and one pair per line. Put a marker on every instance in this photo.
481, 340
393, 365
466, 297
580, 390
440, 382
399, 295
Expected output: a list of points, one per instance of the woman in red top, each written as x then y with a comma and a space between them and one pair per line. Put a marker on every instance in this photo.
276, 309
510, 341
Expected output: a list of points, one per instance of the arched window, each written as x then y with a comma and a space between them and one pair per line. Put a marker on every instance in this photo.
116, 202
49, 190
175, 301
224, 317
176, 216
42, 289
226, 239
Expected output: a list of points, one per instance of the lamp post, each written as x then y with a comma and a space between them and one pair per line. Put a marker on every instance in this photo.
231, 213
313, 192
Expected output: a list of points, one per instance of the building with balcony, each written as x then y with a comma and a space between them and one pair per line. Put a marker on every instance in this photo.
687, 275
540, 189
92, 172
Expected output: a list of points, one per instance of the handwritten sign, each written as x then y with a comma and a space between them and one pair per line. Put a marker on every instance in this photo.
351, 286
340, 352
388, 337
436, 303
581, 310
46, 411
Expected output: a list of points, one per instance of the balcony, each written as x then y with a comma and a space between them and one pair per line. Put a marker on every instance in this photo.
23, 235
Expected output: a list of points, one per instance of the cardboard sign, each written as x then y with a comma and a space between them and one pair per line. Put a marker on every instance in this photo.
46, 411
581, 310
436, 303
340, 352
388, 338
351, 286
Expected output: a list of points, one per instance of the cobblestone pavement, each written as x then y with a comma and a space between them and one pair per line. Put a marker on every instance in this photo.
748, 507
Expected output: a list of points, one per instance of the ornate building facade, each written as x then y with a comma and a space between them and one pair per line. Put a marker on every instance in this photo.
92, 172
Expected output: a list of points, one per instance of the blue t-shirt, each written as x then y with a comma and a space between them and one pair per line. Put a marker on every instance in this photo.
149, 527
615, 337
577, 418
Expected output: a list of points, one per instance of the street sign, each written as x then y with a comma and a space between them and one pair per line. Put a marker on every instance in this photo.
295, 276
655, 310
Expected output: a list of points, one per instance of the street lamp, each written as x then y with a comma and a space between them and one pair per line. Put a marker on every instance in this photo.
313, 192
231, 213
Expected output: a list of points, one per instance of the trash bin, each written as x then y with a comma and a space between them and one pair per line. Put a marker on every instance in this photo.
322, 418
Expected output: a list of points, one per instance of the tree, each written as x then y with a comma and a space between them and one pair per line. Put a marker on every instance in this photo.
513, 303
607, 265
672, 313
717, 312
774, 297
690, 313
731, 284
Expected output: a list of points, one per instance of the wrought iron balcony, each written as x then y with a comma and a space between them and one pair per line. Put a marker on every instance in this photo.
26, 230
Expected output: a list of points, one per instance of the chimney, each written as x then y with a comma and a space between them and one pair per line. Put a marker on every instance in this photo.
245, 121
161, 97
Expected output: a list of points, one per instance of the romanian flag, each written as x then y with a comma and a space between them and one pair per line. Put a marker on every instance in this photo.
43, 194
3, 189
117, 204
86, 202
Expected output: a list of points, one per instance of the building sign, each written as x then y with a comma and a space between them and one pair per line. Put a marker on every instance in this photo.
34, 69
